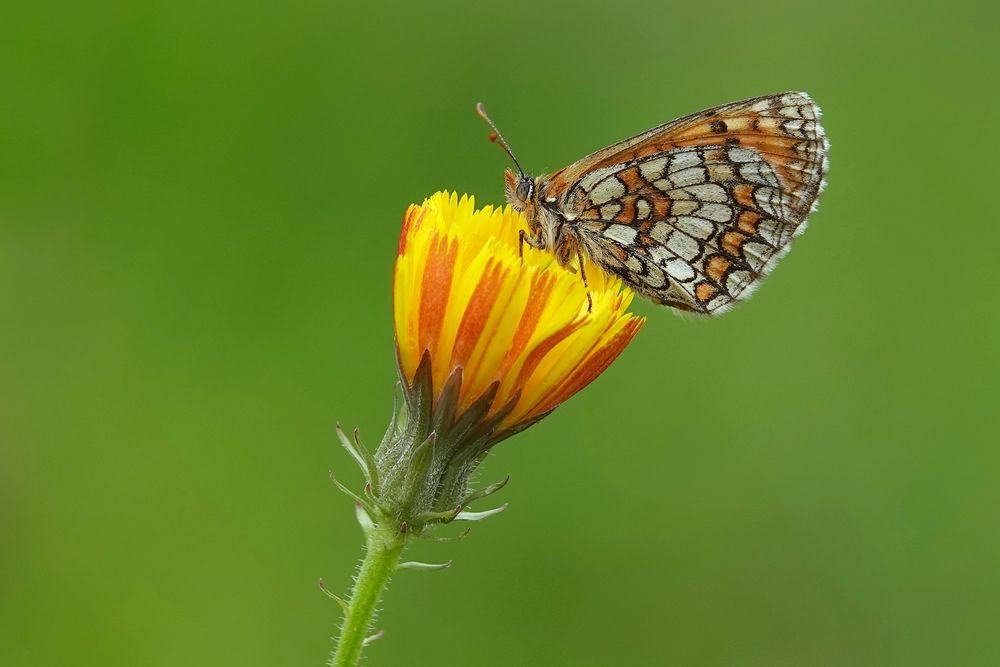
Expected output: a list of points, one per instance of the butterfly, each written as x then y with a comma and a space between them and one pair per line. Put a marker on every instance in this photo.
691, 214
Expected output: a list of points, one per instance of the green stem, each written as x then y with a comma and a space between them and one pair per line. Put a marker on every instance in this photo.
382, 550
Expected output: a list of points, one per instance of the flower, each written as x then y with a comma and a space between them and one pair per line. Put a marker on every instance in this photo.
487, 343
463, 296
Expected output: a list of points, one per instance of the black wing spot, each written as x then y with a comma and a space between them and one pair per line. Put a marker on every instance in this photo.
719, 126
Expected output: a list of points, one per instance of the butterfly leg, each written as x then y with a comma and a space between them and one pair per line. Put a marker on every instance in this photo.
524, 237
583, 274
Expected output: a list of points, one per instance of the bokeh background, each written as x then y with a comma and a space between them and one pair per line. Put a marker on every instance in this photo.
199, 206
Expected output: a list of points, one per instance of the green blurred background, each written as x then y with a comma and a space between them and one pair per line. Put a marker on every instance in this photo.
199, 206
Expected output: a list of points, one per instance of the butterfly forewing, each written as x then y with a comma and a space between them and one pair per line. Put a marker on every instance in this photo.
693, 213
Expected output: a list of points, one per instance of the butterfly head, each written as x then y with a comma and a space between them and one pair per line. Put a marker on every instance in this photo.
519, 189
522, 195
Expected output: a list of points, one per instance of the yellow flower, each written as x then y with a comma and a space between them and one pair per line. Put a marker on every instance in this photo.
520, 328
487, 343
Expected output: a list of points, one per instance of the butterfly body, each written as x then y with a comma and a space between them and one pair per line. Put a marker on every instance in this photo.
693, 213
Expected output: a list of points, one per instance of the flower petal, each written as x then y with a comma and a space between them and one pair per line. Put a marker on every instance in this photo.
463, 293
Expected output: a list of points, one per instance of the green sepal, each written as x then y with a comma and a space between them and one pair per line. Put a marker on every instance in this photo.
336, 598
447, 538
364, 519
361, 455
398, 420
419, 467
372, 469
425, 567
484, 435
443, 517
503, 435
357, 499
482, 493
447, 402
420, 396
474, 414
410, 428
479, 516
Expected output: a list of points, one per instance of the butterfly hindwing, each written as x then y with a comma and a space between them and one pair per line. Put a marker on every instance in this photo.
693, 213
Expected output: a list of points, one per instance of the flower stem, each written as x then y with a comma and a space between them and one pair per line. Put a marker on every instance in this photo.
383, 547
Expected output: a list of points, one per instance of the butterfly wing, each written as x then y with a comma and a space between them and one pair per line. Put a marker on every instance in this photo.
693, 213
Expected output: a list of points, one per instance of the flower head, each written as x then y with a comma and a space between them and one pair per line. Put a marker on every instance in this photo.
487, 344
463, 296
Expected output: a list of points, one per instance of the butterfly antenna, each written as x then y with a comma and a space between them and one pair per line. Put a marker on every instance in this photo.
496, 137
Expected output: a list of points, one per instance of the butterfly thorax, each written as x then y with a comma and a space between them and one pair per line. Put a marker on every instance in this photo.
548, 228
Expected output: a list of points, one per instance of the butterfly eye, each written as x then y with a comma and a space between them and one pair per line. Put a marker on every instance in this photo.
524, 188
